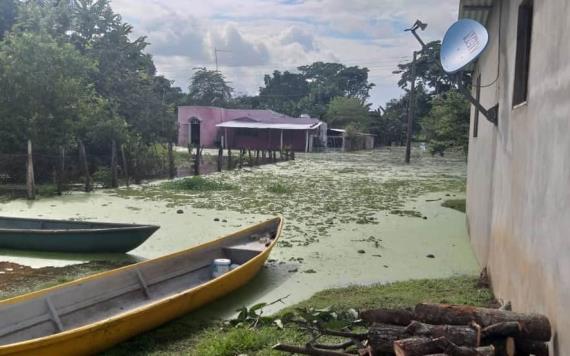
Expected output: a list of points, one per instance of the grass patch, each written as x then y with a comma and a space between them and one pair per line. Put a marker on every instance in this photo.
279, 188
191, 337
457, 204
197, 184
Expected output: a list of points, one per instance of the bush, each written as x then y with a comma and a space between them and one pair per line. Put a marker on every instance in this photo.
103, 176
198, 184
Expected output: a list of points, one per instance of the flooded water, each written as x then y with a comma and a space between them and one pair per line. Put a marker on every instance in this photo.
350, 218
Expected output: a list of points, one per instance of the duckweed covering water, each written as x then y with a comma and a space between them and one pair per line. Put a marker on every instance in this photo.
318, 191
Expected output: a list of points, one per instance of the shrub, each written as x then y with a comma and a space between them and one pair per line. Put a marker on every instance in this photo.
198, 184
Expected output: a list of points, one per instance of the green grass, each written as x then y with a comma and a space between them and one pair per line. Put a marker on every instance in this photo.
279, 188
197, 184
457, 204
191, 336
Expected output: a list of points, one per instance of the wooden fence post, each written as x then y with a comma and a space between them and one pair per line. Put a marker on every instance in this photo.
240, 158
197, 161
61, 170
171, 167
229, 159
114, 173
125, 165
220, 158
85, 166
30, 180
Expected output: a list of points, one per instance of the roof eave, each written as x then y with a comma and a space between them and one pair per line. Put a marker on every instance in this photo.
478, 10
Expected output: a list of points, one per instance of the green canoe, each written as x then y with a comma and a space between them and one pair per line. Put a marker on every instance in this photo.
71, 236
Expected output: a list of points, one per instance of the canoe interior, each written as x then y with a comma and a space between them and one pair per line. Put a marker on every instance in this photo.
10, 223
112, 293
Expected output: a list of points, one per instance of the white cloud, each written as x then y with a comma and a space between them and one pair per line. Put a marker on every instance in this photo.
264, 35
297, 35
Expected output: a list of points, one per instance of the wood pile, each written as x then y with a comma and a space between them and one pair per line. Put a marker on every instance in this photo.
439, 330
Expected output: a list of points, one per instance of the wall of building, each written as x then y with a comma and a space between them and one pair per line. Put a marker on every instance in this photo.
269, 139
209, 117
518, 196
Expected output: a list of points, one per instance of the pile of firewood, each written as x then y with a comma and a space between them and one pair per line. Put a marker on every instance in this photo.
438, 330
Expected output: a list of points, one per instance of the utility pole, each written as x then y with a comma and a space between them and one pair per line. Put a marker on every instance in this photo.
216, 55
411, 110
412, 102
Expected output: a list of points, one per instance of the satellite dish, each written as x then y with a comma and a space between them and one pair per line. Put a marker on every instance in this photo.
463, 42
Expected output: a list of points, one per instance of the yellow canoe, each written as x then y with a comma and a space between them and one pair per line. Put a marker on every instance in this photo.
94, 313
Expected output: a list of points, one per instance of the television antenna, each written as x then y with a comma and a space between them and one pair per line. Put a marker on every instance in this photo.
216, 55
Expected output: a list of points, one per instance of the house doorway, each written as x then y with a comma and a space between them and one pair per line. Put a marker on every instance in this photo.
194, 133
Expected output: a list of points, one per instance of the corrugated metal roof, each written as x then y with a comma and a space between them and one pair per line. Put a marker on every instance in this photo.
477, 10
235, 124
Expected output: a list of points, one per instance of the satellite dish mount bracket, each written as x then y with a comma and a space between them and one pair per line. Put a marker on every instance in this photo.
491, 114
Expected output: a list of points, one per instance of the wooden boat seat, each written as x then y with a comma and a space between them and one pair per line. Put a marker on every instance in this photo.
243, 252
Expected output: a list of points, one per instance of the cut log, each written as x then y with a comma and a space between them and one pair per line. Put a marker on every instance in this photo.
534, 326
381, 337
452, 349
388, 316
459, 335
530, 347
501, 330
416, 346
420, 346
504, 346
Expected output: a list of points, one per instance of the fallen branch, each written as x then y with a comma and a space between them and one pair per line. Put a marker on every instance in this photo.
342, 346
308, 350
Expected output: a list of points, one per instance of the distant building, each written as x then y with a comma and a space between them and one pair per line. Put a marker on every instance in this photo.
518, 191
338, 139
252, 129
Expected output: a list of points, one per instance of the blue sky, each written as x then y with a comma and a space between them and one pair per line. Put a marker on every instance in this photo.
265, 35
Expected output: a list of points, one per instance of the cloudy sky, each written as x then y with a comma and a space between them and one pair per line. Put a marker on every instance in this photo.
259, 36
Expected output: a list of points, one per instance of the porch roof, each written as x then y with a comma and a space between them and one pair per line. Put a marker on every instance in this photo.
264, 125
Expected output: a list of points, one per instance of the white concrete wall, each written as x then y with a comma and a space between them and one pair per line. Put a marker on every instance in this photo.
518, 195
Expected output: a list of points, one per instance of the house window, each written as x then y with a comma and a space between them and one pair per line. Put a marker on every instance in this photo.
522, 60
478, 98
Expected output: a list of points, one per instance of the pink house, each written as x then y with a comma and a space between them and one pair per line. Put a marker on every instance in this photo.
251, 129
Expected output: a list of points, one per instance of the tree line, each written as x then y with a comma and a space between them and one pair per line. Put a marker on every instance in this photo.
70, 71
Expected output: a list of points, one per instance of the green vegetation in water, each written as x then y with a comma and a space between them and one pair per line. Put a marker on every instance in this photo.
197, 184
410, 213
309, 190
190, 336
279, 188
457, 204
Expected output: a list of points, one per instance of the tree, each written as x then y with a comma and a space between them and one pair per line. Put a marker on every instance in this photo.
8, 12
428, 71
344, 111
46, 92
209, 87
447, 124
282, 92
330, 80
